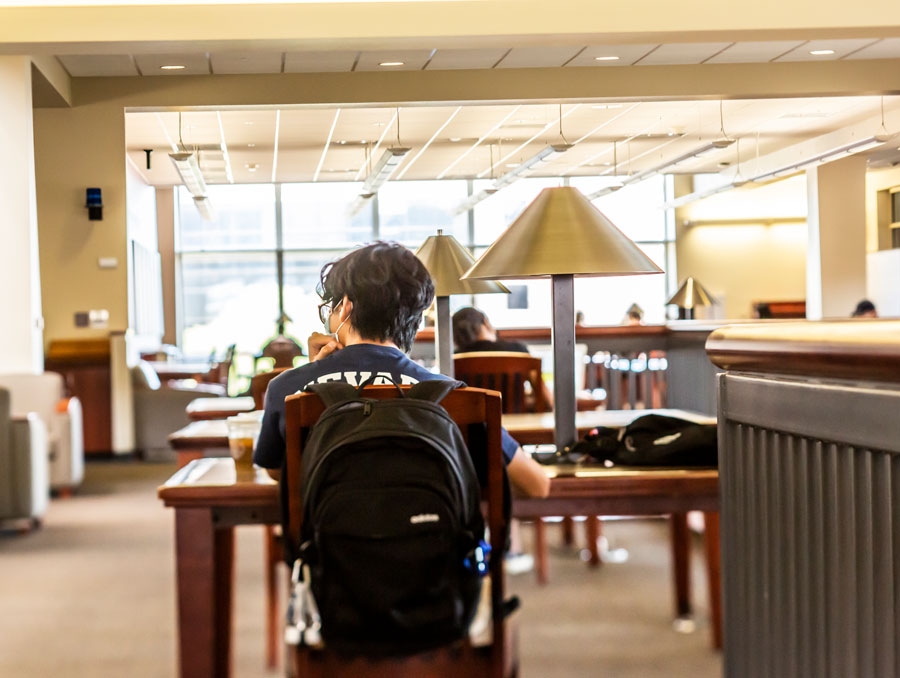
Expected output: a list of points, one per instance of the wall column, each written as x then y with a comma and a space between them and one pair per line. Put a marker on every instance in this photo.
21, 327
836, 249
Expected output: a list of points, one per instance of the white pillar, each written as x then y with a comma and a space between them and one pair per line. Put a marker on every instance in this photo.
836, 250
21, 322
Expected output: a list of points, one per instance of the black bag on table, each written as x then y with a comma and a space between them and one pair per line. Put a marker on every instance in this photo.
652, 440
392, 534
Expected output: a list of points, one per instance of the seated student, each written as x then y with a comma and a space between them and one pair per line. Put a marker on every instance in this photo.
373, 299
865, 309
473, 332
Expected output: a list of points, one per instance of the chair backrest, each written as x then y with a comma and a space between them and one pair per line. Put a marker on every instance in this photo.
34, 393
506, 372
282, 350
467, 407
259, 383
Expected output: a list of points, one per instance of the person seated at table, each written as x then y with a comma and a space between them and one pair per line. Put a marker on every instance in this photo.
372, 305
865, 309
473, 333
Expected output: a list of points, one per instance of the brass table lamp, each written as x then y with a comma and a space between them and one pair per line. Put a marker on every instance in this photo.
561, 235
446, 260
689, 296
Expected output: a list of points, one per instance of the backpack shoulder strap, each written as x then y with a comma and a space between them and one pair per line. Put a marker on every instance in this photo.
334, 392
433, 390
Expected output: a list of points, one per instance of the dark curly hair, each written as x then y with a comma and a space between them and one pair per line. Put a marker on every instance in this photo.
389, 288
467, 324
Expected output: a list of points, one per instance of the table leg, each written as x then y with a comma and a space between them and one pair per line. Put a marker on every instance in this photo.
714, 575
273, 644
681, 563
204, 557
592, 531
540, 550
568, 532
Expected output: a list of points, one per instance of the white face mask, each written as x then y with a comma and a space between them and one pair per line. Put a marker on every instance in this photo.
328, 323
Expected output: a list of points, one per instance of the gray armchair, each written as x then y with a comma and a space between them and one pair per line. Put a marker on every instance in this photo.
159, 409
24, 474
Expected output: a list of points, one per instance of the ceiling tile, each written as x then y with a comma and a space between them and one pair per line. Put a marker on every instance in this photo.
754, 52
841, 48
889, 48
319, 62
411, 60
627, 54
151, 64
245, 62
87, 65
683, 53
449, 59
538, 57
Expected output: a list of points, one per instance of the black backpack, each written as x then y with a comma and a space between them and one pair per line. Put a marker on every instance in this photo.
392, 532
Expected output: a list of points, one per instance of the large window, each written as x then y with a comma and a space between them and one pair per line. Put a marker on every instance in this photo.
229, 267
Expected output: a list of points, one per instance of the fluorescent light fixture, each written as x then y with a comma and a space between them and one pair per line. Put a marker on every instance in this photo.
859, 146
172, 67
391, 63
204, 206
378, 143
821, 52
606, 58
535, 162
189, 170
337, 114
429, 142
474, 199
224, 147
383, 169
358, 203
705, 150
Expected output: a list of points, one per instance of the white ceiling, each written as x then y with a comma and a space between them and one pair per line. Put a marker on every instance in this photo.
459, 141
262, 61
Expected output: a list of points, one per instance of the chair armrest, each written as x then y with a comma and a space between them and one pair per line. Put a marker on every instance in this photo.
27, 465
66, 434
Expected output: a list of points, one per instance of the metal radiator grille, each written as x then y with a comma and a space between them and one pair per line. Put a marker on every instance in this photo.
811, 556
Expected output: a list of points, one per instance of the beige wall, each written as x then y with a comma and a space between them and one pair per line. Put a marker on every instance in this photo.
165, 224
878, 235
743, 263
76, 148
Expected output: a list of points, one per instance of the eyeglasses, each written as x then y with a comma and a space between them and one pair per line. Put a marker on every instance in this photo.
326, 309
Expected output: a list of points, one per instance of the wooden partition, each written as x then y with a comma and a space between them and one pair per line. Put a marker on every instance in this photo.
809, 455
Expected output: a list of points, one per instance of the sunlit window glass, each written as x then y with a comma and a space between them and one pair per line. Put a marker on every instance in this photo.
227, 299
318, 216
635, 209
244, 219
410, 211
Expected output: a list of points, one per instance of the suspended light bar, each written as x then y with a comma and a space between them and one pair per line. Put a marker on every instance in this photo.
474, 199
189, 169
204, 206
383, 169
358, 203
711, 147
534, 163
859, 146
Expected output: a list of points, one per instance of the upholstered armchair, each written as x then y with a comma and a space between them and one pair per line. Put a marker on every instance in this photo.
24, 489
44, 394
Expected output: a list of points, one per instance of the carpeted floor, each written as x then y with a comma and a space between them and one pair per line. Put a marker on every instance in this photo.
91, 594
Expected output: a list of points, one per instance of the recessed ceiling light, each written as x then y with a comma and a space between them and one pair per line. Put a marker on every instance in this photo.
362, 141
391, 63
512, 164
606, 58
252, 166
248, 122
172, 67
455, 139
821, 52
251, 145
342, 142
606, 106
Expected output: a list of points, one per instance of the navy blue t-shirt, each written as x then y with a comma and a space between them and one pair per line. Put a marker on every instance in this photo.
352, 364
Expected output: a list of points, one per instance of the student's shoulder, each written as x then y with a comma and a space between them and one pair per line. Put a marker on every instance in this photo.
293, 380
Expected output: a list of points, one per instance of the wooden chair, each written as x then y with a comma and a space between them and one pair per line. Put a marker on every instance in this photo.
282, 350
274, 554
508, 372
467, 407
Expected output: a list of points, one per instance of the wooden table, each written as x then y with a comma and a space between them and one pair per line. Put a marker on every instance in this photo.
171, 370
218, 408
537, 429
210, 500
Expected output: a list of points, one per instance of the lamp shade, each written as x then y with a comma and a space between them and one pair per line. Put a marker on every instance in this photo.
561, 233
634, 308
690, 295
447, 260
